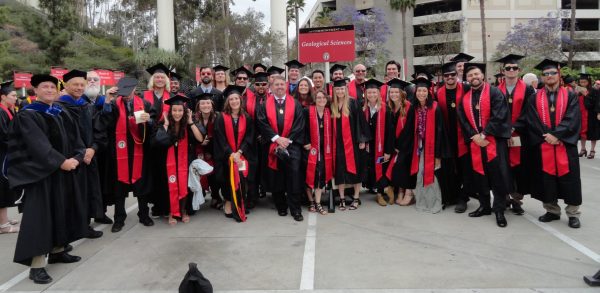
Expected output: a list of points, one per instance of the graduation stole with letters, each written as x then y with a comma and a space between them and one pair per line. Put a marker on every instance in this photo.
124, 123
399, 128
10, 115
149, 96
177, 171
315, 143
379, 138
288, 120
554, 157
428, 145
584, 117
250, 102
485, 105
233, 144
517, 100
441, 98
348, 143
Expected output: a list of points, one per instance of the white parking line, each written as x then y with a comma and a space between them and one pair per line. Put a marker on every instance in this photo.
25, 274
568, 240
307, 279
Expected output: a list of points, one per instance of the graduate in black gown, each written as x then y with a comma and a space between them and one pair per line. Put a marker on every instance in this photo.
552, 124
485, 122
350, 135
234, 139
590, 97
178, 134
281, 122
8, 100
41, 167
129, 133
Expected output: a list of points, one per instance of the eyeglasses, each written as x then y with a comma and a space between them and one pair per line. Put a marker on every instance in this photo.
260, 84
550, 73
93, 79
360, 70
509, 68
241, 78
448, 75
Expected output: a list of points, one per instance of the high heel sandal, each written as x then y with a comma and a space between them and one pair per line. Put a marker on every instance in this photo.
311, 206
410, 201
172, 221
583, 153
320, 209
354, 204
591, 155
342, 206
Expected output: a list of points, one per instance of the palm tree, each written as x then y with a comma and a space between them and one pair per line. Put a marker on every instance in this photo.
293, 8
483, 32
403, 6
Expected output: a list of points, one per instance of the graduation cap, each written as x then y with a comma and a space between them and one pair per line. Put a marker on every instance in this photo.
471, 66
449, 67
259, 65
373, 84
203, 96
177, 100
339, 83
510, 59
462, 57
233, 89
547, 64
74, 73
336, 67
126, 86
174, 75
568, 79
398, 83
420, 71
500, 74
294, 64
585, 75
6, 87
275, 70
261, 77
158, 68
220, 67
421, 82
241, 69
36, 79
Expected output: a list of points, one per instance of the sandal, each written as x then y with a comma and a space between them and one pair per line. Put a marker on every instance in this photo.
172, 221
185, 218
11, 228
354, 204
320, 209
591, 155
342, 206
583, 153
311, 206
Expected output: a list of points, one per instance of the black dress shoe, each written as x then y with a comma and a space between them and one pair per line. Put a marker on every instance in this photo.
39, 276
481, 211
517, 209
93, 234
229, 216
460, 207
68, 248
103, 220
549, 217
146, 221
574, 222
117, 227
62, 257
282, 213
298, 217
500, 219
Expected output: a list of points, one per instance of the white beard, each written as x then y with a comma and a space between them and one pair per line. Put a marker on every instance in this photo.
92, 92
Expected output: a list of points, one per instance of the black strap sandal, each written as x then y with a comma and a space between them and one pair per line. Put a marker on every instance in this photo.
311, 206
342, 206
320, 209
354, 204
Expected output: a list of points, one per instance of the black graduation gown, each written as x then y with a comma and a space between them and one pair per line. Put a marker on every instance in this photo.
217, 98
54, 212
545, 187
143, 186
223, 151
360, 133
401, 171
7, 196
592, 104
319, 181
388, 148
287, 178
497, 172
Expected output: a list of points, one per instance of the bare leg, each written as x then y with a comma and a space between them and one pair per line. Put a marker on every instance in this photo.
583, 151
341, 189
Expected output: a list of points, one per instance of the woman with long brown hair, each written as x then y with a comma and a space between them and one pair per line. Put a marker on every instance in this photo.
304, 94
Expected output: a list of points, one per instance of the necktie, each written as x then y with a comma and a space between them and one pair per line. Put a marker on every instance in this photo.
280, 101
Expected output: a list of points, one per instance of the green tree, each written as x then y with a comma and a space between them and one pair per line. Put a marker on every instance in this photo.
403, 6
61, 22
293, 12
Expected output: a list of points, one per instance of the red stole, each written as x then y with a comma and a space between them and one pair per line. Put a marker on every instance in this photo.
250, 103
348, 143
383, 92
485, 105
399, 128
149, 96
379, 138
352, 92
554, 157
518, 98
10, 115
314, 153
441, 98
584, 117
428, 146
177, 172
230, 136
288, 120
124, 123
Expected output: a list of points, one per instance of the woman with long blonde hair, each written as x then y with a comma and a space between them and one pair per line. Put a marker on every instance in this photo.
221, 80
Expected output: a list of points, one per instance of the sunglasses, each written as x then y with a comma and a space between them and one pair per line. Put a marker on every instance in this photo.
206, 73
360, 71
448, 75
550, 73
260, 84
241, 78
93, 79
509, 68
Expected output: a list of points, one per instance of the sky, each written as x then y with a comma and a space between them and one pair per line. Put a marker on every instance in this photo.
241, 6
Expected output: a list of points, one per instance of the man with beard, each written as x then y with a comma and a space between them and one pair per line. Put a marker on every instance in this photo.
242, 76
460, 60
456, 182
175, 82
336, 72
318, 78
485, 122
294, 75
206, 86
356, 87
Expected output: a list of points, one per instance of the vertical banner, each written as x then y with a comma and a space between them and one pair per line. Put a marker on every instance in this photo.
117, 75
327, 44
197, 75
58, 72
22, 79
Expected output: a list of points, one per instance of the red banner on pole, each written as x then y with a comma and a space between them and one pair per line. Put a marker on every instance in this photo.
58, 72
106, 76
117, 75
22, 79
326, 44
197, 74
